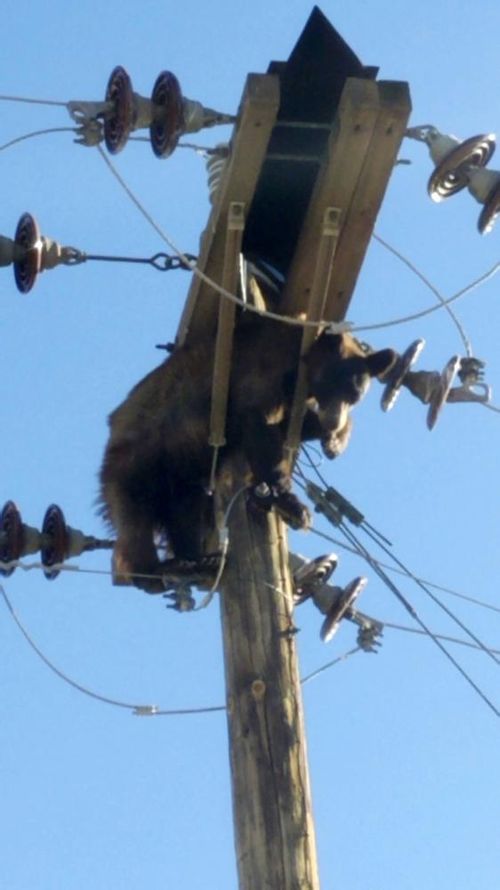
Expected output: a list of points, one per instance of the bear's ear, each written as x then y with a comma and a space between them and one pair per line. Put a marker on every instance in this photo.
378, 363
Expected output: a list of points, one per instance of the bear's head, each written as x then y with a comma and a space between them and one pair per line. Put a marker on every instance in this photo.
339, 372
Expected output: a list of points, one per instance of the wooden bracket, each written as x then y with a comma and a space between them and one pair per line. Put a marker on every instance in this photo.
256, 118
351, 183
225, 326
326, 247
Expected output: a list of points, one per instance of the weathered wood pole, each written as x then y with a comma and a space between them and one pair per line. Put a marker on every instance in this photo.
274, 829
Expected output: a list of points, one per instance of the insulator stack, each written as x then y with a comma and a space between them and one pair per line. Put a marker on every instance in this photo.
16, 538
167, 114
30, 253
435, 388
462, 165
57, 541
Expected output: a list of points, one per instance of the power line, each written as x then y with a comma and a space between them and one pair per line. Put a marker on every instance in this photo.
33, 101
416, 271
357, 544
461, 293
330, 664
36, 133
396, 571
434, 598
137, 710
403, 570
285, 319
443, 303
456, 640
409, 608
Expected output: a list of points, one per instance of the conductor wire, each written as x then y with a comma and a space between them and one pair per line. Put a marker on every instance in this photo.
286, 319
409, 608
384, 565
436, 600
36, 133
416, 271
33, 101
138, 710
446, 302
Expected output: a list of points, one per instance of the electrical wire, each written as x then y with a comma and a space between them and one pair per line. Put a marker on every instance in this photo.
33, 101
410, 609
375, 536
224, 539
330, 664
443, 303
370, 530
36, 133
458, 295
137, 710
286, 319
416, 271
490, 407
416, 630
338, 543
435, 599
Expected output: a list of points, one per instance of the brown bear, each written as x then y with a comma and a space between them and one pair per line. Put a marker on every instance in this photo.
156, 468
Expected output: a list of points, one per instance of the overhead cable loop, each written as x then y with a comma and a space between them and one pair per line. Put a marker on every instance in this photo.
138, 710
36, 133
409, 608
89, 137
457, 296
416, 271
286, 319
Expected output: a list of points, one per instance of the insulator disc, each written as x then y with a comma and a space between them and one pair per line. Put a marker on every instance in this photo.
27, 236
11, 536
450, 176
168, 115
118, 123
313, 575
490, 211
398, 372
439, 399
54, 550
331, 623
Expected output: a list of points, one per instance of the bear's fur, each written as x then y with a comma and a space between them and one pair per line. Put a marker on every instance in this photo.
157, 463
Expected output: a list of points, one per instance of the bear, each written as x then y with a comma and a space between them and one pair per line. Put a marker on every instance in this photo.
157, 463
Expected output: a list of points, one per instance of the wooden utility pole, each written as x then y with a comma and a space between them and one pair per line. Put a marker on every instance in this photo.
309, 162
274, 828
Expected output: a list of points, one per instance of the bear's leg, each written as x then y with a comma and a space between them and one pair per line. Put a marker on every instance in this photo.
263, 445
190, 522
134, 555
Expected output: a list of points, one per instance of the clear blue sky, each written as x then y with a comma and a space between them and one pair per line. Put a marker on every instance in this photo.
403, 754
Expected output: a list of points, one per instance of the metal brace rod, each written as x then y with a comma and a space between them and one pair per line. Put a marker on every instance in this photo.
225, 327
329, 237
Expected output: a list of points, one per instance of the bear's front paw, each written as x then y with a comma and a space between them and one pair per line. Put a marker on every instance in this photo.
293, 511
